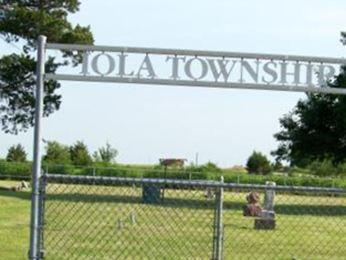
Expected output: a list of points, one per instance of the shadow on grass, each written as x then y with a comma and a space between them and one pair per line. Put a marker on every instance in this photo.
199, 204
25, 195
192, 203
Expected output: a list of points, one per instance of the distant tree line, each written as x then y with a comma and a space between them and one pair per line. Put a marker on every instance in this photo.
60, 154
257, 163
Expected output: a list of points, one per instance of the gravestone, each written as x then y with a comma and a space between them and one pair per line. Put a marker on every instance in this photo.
132, 218
266, 219
269, 196
22, 186
209, 193
252, 209
120, 224
151, 193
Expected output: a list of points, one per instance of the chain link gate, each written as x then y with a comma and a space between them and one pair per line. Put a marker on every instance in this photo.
120, 218
88, 217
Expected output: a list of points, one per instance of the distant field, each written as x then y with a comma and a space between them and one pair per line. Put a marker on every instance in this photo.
98, 222
297, 177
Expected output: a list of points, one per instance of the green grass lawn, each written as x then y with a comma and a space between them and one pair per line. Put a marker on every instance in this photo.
103, 222
14, 222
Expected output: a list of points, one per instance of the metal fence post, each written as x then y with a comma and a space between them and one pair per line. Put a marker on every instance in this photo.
34, 249
218, 224
43, 184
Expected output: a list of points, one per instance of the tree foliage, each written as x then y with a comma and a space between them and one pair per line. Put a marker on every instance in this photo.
315, 129
258, 163
24, 21
57, 153
80, 154
106, 154
16, 153
208, 167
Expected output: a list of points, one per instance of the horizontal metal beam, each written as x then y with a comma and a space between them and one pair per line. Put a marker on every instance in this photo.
206, 84
101, 180
185, 52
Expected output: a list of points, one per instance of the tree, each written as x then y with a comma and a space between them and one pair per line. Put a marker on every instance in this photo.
258, 163
210, 167
315, 129
57, 153
106, 154
16, 153
24, 21
80, 154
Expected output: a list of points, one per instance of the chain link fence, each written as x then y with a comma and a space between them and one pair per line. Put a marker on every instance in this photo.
127, 218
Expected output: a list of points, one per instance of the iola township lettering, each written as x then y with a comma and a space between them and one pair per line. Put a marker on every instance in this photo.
203, 68
194, 68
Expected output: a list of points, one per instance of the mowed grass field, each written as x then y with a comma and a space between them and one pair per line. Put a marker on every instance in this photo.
14, 222
104, 222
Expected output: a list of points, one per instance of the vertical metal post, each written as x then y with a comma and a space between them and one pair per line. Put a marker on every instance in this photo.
35, 222
164, 185
43, 185
94, 174
218, 224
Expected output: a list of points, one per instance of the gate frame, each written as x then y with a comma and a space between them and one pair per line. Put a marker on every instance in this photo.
37, 205
36, 221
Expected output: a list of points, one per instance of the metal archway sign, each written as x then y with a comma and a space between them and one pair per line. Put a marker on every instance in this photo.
212, 69
192, 68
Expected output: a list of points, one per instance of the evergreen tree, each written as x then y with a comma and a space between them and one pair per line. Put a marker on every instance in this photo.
57, 153
80, 154
16, 153
258, 163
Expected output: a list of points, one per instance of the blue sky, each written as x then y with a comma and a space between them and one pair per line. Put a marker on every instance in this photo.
146, 123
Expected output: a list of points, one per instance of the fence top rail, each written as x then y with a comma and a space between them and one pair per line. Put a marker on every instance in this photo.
99, 180
188, 52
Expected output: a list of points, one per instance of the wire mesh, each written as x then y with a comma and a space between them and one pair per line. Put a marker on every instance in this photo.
306, 225
119, 218
99, 220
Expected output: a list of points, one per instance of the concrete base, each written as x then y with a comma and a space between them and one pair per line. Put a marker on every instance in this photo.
264, 223
267, 214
